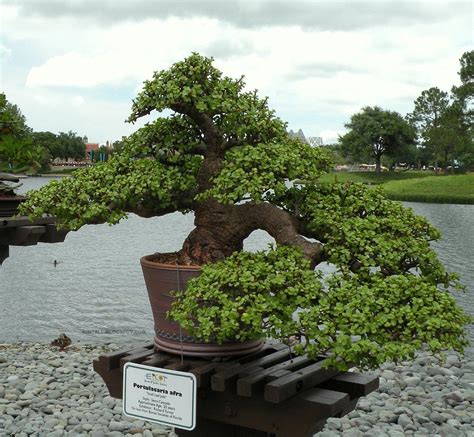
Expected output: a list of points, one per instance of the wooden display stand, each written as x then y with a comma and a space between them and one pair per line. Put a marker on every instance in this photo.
20, 231
264, 394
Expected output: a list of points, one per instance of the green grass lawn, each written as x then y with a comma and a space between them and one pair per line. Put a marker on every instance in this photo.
415, 186
374, 178
435, 189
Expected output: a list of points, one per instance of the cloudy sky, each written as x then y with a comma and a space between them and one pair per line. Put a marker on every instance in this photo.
77, 64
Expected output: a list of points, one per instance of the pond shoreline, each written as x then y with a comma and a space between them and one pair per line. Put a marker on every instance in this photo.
47, 391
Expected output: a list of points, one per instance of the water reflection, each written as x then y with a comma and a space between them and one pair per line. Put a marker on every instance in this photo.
97, 293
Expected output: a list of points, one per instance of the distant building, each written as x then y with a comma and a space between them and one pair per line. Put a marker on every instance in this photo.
91, 150
299, 135
316, 141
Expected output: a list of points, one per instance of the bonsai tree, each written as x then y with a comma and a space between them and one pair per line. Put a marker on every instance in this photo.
224, 155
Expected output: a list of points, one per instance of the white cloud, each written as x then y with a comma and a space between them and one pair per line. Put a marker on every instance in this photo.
330, 136
315, 78
78, 100
4, 51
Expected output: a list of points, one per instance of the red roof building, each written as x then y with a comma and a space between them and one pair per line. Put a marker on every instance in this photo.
91, 149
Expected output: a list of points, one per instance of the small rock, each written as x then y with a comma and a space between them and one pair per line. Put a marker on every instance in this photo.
452, 360
117, 426
437, 417
47, 410
388, 374
455, 396
54, 394
453, 422
467, 395
420, 409
433, 371
448, 430
31, 386
412, 381
73, 420
27, 395
387, 417
364, 405
49, 380
334, 423
404, 420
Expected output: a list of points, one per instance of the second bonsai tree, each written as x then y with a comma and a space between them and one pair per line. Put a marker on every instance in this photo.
224, 155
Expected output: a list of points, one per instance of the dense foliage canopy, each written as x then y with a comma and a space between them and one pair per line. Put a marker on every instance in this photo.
63, 145
223, 154
374, 132
22, 149
445, 123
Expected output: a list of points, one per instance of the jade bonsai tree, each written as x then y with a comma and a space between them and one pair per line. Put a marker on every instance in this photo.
224, 155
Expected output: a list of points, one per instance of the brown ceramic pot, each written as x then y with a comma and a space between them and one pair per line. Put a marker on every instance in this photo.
160, 280
9, 205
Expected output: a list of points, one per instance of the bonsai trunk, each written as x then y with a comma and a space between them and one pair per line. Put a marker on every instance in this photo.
216, 236
378, 165
221, 230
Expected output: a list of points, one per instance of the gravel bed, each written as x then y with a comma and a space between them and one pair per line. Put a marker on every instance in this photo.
424, 397
47, 392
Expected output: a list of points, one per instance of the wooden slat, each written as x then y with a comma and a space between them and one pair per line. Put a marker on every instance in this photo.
222, 380
287, 386
248, 385
23, 235
158, 359
204, 373
184, 365
112, 360
329, 401
24, 221
354, 384
267, 349
137, 357
52, 235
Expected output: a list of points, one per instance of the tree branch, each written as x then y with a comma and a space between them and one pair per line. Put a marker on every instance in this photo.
212, 136
282, 227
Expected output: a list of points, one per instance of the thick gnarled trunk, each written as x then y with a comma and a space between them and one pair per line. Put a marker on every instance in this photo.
221, 230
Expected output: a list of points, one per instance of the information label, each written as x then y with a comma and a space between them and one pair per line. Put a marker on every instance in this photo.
163, 396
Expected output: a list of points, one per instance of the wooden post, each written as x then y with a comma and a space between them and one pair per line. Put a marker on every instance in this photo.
4, 252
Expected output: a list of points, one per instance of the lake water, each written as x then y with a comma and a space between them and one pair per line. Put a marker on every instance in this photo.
97, 292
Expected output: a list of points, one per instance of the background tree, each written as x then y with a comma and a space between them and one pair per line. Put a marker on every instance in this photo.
464, 93
69, 145
429, 107
20, 154
374, 133
46, 140
445, 123
17, 150
449, 140
12, 121
118, 146
463, 96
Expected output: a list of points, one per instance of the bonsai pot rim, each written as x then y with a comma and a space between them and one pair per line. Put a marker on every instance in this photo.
161, 279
